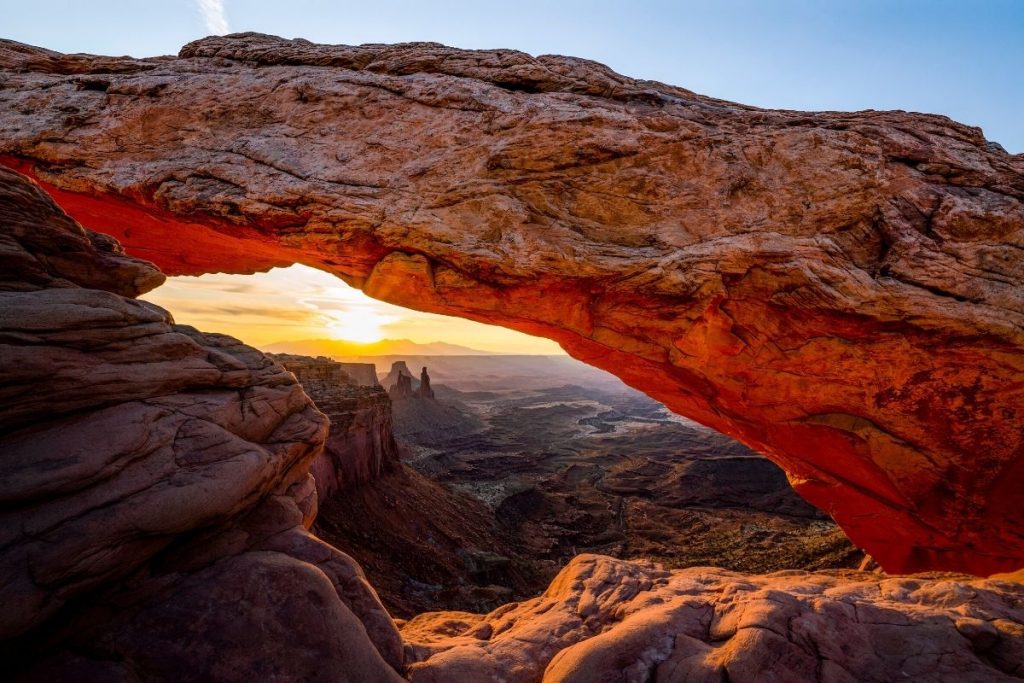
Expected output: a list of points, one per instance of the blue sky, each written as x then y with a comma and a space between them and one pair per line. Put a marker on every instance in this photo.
963, 59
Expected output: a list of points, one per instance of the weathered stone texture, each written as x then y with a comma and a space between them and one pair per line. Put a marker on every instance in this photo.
604, 619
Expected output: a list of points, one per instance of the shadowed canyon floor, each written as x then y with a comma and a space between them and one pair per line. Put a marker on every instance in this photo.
542, 471
839, 291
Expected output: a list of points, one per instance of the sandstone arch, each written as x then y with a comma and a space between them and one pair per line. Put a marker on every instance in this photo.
839, 291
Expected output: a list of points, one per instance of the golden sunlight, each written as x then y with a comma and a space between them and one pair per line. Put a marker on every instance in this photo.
303, 304
349, 314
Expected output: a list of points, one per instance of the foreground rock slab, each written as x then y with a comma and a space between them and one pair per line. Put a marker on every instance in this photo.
840, 291
154, 485
604, 619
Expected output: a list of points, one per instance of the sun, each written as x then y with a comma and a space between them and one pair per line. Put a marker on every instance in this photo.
349, 315
358, 326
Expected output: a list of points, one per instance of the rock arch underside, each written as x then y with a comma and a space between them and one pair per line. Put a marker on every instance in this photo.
840, 291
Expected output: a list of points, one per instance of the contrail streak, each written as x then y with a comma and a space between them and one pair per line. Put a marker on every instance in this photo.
214, 16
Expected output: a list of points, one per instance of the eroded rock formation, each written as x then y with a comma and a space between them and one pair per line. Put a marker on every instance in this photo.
840, 291
609, 620
360, 443
424, 390
399, 369
401, 389
154, 485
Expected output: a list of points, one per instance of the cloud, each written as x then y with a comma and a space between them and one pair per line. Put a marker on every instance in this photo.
214, 16
277, 313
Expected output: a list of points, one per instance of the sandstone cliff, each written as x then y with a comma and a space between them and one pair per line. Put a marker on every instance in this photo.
840, 291
399, 369
401, 384
360, 444
154, 485
401, 389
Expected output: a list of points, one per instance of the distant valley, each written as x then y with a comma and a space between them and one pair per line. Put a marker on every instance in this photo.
520, 463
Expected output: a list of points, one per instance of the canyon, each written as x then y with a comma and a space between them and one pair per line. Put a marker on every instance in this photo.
500, 488
837, 291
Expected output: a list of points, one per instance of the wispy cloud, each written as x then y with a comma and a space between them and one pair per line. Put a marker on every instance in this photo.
214, 16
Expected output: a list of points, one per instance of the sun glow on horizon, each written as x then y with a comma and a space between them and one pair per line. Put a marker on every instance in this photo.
363, 328
351, 315
301, 303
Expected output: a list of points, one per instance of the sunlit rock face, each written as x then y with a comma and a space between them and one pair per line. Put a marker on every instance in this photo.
839, 291
154, 485
610, 620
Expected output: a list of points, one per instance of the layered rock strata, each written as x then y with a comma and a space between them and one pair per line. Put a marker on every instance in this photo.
364, 374
402, 388
154, 485
399, 369
840, 291
360, 444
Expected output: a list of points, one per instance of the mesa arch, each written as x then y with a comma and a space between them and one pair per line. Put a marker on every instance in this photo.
840, 291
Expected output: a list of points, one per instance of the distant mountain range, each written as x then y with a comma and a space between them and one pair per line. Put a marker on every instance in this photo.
336, 348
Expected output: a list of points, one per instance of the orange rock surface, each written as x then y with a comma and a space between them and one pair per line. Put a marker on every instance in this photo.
840, 291
604, 619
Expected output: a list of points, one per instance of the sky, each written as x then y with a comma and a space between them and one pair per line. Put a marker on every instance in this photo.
300, 303
962, 59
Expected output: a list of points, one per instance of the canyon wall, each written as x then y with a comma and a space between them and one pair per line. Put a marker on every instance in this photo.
840, 291
154, 485
360, 444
